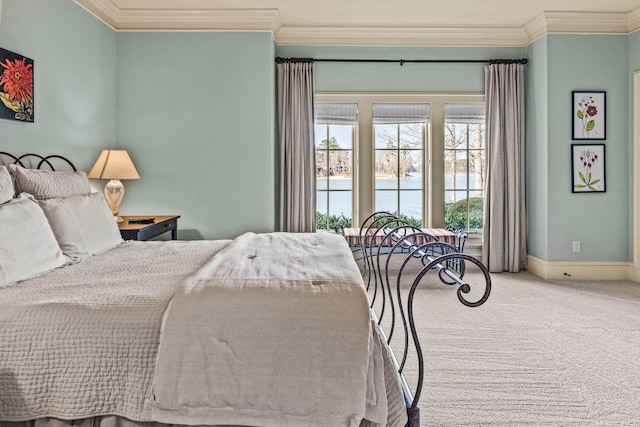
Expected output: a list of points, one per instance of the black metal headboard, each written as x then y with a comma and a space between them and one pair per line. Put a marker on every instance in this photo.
36, 161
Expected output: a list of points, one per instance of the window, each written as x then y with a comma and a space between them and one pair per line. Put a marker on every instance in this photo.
334, 134
419, 154
464, 154
399, 131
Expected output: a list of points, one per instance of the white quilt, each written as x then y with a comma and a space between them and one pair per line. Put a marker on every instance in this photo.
82, 341
273, 331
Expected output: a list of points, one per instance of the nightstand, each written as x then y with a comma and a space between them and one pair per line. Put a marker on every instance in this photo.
161, 224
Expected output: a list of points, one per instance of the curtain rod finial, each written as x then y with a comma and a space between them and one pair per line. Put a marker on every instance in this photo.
280, 60
509, 61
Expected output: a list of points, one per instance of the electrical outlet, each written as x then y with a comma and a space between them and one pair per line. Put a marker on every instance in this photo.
576, 246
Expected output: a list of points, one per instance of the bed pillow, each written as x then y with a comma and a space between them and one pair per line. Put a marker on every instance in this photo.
6, 185
44, 184
83, 224
27, 244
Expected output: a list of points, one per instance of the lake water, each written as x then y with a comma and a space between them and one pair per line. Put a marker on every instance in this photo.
410, 194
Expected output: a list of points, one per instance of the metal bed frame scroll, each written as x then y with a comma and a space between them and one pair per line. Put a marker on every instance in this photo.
36, 161
385, 237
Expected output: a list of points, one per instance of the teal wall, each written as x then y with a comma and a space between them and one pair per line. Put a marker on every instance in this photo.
74, 79
634, 51
599, 221
537, 174
634, 65
197, 113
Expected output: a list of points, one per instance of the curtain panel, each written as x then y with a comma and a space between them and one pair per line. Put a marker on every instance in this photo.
297, 180
504, 231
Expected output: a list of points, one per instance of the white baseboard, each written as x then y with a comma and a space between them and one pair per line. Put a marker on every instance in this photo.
583, 270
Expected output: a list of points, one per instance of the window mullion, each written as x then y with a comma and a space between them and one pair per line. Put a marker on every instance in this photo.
398, 168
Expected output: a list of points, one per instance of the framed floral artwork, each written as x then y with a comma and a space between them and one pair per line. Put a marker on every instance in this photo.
589, 114
16, 86
587, 168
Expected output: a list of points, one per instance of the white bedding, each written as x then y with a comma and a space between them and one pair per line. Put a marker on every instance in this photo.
82, 341
281, 321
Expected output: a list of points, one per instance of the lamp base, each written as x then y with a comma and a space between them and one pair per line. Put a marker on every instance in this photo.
114, 192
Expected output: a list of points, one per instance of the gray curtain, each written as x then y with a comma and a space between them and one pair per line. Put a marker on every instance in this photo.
504, 235
297, 178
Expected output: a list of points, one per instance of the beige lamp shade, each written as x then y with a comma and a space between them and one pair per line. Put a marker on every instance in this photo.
113, 164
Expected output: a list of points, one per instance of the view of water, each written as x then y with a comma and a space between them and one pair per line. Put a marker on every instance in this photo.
410, 194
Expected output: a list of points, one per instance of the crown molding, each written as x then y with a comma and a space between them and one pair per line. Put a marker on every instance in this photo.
576, 23
634, 20
183, 19
176, 19
403, 36
200, 20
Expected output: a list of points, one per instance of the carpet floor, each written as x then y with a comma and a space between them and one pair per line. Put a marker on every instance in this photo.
537, 353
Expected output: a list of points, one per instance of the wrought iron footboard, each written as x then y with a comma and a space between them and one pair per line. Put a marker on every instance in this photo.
385, 239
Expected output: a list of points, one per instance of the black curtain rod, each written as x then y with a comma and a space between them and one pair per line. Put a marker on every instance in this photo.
281, 60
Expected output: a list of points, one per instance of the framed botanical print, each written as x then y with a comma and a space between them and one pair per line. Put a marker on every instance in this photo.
589, 115
16, 86
588, 168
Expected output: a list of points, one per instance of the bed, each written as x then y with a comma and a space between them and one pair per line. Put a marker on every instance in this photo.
98, 331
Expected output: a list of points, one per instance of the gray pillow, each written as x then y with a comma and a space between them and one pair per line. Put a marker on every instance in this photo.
83, 224
6, 185
27, 246
44, 184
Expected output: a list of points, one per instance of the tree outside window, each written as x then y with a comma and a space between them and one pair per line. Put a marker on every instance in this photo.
334, 176
464, 175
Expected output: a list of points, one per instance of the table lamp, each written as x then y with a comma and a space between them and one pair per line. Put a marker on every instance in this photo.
114, 165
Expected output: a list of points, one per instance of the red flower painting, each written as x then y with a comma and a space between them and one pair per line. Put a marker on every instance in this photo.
592, 110
588, 168
587, 111
17, 79
16, 86
589, 115
588, 159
